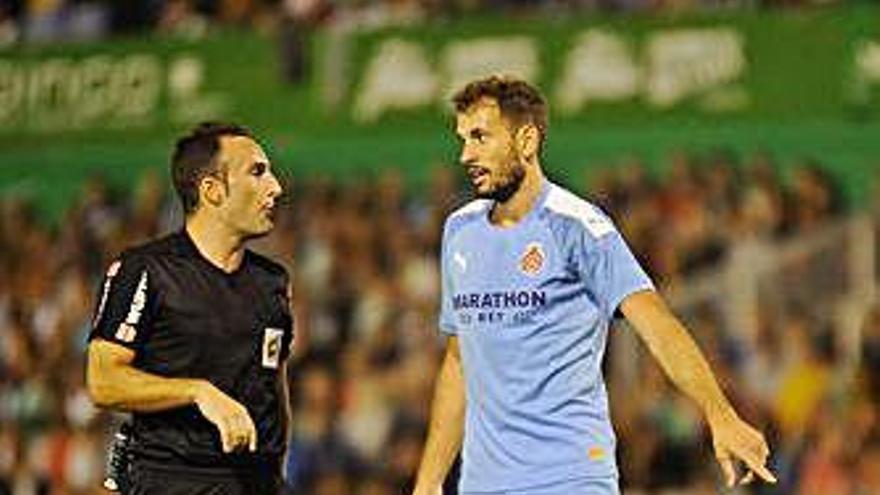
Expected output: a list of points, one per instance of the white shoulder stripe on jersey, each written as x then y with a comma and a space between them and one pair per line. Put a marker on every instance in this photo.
112, 270
565, 203
138, 301
474, 206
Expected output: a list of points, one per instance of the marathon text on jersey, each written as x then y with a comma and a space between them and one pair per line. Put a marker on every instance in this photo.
500, 300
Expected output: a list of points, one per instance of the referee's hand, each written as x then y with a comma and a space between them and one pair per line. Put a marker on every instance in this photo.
236, 428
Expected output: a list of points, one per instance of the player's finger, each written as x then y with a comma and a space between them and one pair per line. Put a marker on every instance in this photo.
763, 449
748, 478
728, 470
764, 473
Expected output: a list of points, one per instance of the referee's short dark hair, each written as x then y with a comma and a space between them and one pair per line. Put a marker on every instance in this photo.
519, 102
195, 157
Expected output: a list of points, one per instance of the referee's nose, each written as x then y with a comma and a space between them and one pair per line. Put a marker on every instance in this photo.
275, 189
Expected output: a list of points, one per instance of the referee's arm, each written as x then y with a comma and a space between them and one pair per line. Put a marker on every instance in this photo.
122, 321
114, 383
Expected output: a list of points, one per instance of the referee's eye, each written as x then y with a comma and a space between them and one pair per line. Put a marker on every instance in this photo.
258, 169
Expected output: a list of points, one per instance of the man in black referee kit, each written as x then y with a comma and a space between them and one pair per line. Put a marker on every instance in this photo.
192, 331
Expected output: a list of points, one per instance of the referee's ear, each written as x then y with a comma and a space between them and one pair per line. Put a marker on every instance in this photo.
212, 190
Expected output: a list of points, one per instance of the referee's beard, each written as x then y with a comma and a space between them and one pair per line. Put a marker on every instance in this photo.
263, 224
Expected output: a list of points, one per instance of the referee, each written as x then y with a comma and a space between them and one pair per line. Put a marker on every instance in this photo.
192, 330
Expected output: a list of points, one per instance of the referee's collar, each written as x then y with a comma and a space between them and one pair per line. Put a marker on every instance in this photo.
189, 249
187, 245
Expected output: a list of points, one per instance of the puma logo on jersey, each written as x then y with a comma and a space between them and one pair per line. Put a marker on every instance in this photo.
460, 260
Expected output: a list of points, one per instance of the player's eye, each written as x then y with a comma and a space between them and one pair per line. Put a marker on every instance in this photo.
478, 135
258, 169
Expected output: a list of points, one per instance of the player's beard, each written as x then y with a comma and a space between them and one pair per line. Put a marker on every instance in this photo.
509, 180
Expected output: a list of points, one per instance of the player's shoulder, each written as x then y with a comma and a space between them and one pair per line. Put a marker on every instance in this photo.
469, 212
568, 206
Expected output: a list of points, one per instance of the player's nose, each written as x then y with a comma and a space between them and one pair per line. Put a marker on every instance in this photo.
467, 156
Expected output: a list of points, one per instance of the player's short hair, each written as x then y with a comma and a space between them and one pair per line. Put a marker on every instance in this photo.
195, 157
519, 102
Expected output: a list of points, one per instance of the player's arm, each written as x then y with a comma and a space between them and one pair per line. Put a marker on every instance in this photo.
678, 355
447, 423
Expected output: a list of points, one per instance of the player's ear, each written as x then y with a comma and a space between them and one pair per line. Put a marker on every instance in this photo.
528, 140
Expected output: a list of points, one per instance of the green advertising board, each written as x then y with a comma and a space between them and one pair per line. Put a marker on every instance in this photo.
785, 66
795, 83
771, 67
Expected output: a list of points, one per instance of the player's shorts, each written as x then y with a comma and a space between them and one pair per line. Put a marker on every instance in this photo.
581, 486
180, 481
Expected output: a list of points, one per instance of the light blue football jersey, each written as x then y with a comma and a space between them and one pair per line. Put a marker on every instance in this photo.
531, 305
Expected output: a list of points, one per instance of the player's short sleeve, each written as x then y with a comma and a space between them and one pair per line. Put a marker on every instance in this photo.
447, 315
608, 266
126, 300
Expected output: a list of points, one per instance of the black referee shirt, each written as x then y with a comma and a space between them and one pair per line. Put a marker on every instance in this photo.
186, 318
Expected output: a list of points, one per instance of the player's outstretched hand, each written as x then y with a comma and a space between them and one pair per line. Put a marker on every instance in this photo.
734, 440
235, 425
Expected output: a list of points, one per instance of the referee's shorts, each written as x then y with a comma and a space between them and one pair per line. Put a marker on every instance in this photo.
161, 480
581, 486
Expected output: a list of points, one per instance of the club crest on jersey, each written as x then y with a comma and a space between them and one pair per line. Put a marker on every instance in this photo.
272, 347
532, 260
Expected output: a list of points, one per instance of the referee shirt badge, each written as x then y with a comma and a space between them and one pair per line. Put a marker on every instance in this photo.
272, 347
532, 259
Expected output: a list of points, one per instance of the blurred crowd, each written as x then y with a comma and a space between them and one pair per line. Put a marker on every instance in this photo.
706, 202
364, 260
55, 20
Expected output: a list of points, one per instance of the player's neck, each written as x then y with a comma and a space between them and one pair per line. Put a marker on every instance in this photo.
221, 247
508, 213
